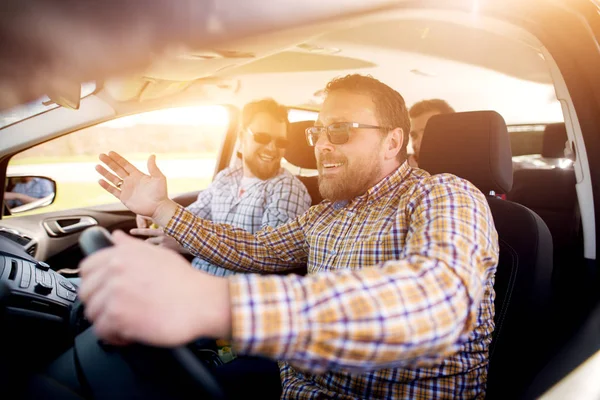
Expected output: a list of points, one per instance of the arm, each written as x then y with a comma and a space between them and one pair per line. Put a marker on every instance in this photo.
288, 198
23, 198
238, 250
201, 207
219, 244
403, 312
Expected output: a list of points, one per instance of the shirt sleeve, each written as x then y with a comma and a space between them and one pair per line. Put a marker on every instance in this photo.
407, 312
288, 198
269, 250
47, 188
201, 207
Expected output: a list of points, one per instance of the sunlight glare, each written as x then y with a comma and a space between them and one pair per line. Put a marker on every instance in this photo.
191, 116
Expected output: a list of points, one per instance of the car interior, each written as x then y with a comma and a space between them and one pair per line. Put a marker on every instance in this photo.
525, 129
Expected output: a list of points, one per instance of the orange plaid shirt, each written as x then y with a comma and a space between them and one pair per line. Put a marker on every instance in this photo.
399, 300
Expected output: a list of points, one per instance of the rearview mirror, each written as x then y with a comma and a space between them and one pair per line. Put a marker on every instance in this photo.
26, 192
69, 96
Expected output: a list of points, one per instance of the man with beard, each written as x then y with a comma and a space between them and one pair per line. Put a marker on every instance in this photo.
257, 194
398, 301
419, 115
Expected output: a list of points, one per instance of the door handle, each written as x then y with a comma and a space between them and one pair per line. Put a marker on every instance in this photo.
68, 225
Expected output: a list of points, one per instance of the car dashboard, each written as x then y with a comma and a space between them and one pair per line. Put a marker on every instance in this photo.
38, 308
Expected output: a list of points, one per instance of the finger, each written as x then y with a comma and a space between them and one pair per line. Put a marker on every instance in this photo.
123, 163
153, 168
146, 232
95, 271
113, 165
141, 221
97, 302
120, 238
154, 240
108, 175
110, 188
107, 330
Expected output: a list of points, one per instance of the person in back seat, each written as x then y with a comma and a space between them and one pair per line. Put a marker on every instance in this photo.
399, 298
419, 115
257, 194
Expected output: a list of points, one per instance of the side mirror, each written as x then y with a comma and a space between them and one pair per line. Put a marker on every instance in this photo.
26, 192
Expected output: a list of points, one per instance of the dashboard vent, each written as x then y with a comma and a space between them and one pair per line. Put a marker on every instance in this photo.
31, 250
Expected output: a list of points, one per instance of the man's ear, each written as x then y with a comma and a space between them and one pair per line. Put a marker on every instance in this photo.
393, 143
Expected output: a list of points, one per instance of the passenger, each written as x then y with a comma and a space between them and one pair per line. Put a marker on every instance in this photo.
399, 298
257, 194
419, 115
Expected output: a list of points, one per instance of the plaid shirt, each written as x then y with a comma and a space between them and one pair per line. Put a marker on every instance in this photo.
399, 301
270, 202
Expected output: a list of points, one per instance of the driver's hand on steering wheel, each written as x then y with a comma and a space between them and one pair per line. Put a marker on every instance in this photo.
136, 292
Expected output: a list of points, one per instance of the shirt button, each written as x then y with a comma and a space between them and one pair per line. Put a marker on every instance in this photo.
333, 252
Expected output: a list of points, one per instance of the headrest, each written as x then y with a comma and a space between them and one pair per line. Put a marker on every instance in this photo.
472, 145
299, 153
555, 137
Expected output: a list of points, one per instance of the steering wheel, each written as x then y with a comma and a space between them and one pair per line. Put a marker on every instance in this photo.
96, 238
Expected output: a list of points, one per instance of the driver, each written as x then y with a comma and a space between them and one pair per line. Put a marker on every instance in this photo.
398, 301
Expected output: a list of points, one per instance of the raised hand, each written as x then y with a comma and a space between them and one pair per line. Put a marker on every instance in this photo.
143, 194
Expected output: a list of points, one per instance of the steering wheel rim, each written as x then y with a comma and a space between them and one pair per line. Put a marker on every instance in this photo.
96, 238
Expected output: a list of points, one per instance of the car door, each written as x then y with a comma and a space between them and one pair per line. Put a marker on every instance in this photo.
191, 145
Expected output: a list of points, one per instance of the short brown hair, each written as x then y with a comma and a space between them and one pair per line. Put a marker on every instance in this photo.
432, 105
268, 106
389, 104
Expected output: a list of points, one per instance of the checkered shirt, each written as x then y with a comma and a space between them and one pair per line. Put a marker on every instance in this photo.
265, 203
399, 300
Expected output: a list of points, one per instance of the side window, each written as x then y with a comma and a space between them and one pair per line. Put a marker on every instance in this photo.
186, 141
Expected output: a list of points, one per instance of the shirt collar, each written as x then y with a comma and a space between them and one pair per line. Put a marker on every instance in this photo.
384, 186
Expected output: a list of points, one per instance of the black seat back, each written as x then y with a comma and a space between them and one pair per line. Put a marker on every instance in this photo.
552, 195
301, 155
476, 147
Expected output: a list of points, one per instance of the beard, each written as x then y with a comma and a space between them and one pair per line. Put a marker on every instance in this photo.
261, 169
352, 181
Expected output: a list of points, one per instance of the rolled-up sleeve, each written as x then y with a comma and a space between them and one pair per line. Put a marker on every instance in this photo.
270, 250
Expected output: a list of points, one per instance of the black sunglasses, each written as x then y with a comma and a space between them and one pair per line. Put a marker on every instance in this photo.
265, 138
337, 133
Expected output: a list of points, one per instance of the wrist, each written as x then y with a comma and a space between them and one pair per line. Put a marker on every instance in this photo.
164, 212
216, 320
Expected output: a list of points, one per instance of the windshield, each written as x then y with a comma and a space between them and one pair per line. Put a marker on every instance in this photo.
23, 111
